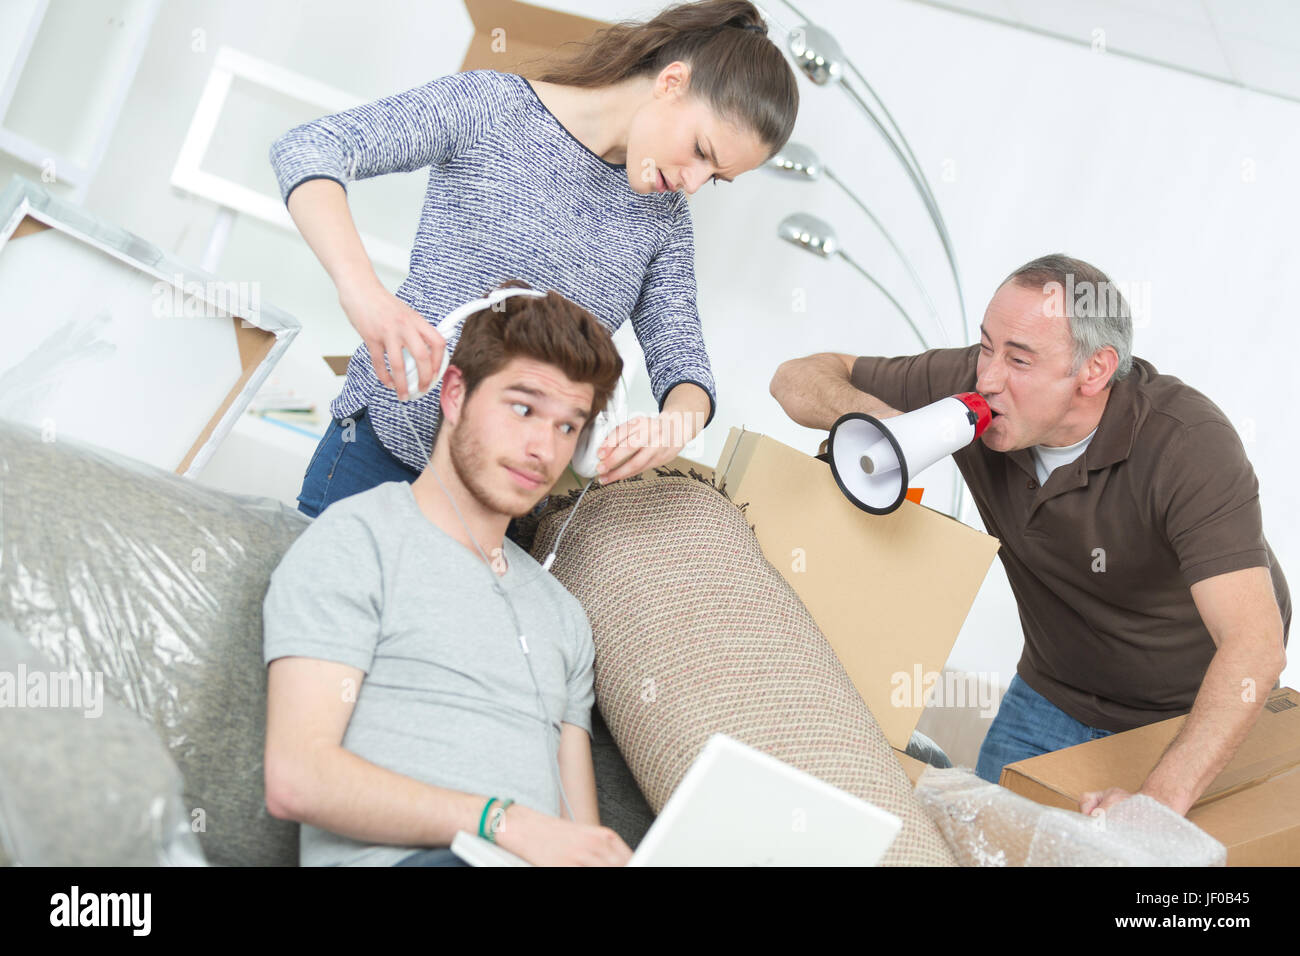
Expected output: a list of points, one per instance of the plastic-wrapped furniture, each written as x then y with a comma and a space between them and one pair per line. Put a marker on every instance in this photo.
113, 567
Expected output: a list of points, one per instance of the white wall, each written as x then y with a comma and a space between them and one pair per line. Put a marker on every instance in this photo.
1032, 145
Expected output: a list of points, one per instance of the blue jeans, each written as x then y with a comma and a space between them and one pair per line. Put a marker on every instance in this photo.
349, 459
437, 856
1028, 724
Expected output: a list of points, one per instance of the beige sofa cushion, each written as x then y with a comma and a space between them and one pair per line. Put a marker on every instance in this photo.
697, 633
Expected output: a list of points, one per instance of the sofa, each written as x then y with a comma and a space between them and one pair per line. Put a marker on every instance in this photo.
153, 584
112, 567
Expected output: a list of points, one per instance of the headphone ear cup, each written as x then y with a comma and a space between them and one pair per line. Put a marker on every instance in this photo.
586, 458
413, 374
412, 377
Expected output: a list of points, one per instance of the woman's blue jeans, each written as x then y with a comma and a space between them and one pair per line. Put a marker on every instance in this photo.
1028, 724
349, 459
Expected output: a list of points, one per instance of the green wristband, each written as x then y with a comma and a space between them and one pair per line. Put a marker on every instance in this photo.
483, 819
498, 818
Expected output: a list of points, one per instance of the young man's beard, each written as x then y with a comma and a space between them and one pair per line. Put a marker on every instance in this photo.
472, 467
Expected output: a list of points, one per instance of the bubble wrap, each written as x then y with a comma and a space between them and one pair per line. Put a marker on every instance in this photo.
988, 825
153, 585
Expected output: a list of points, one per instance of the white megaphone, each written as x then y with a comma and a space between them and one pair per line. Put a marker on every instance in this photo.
586, 459
872, 461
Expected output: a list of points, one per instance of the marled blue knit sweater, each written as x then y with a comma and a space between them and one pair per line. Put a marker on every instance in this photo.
511, 195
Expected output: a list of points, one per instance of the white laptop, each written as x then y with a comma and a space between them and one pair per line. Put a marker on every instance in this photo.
737, 806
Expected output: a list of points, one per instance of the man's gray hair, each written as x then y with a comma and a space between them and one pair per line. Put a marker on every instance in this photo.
1099, 316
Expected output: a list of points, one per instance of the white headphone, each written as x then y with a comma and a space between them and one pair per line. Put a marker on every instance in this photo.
585, 454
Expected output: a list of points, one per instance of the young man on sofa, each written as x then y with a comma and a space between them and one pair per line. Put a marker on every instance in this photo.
411, 645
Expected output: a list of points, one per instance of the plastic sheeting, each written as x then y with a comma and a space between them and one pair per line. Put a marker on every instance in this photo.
83, 782
114, 568
988, 825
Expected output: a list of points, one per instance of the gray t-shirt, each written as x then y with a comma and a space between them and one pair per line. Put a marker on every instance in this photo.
446, 698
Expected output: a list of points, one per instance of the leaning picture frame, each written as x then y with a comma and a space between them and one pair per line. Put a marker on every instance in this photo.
110, 340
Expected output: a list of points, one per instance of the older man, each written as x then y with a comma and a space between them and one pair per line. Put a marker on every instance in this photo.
1129, 518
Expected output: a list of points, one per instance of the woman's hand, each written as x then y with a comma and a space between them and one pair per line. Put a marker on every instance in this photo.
387, 325
648, 441
638, 445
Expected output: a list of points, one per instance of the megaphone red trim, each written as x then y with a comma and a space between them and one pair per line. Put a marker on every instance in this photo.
879, 458
983, 414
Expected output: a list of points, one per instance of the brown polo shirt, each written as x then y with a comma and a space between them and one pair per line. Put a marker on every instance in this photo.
1163, 496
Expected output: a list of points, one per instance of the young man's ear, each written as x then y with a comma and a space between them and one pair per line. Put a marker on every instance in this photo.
452, 396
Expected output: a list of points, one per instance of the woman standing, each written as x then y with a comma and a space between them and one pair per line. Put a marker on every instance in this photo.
576, 182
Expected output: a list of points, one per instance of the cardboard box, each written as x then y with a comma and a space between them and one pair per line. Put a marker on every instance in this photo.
513, 37
1252, 807
911, 766
890, 592
109, 340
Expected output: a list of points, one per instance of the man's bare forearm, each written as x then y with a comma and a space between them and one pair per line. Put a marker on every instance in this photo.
345, 794
578, 774
815, 391
1218, 723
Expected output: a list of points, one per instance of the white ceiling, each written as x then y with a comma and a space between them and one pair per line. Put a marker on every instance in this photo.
1250, 43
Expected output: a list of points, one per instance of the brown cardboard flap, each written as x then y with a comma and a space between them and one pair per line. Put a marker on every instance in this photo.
1258, 824
27, 226
890, 592
1048, 794
254, 345
1252, 807
513, 37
